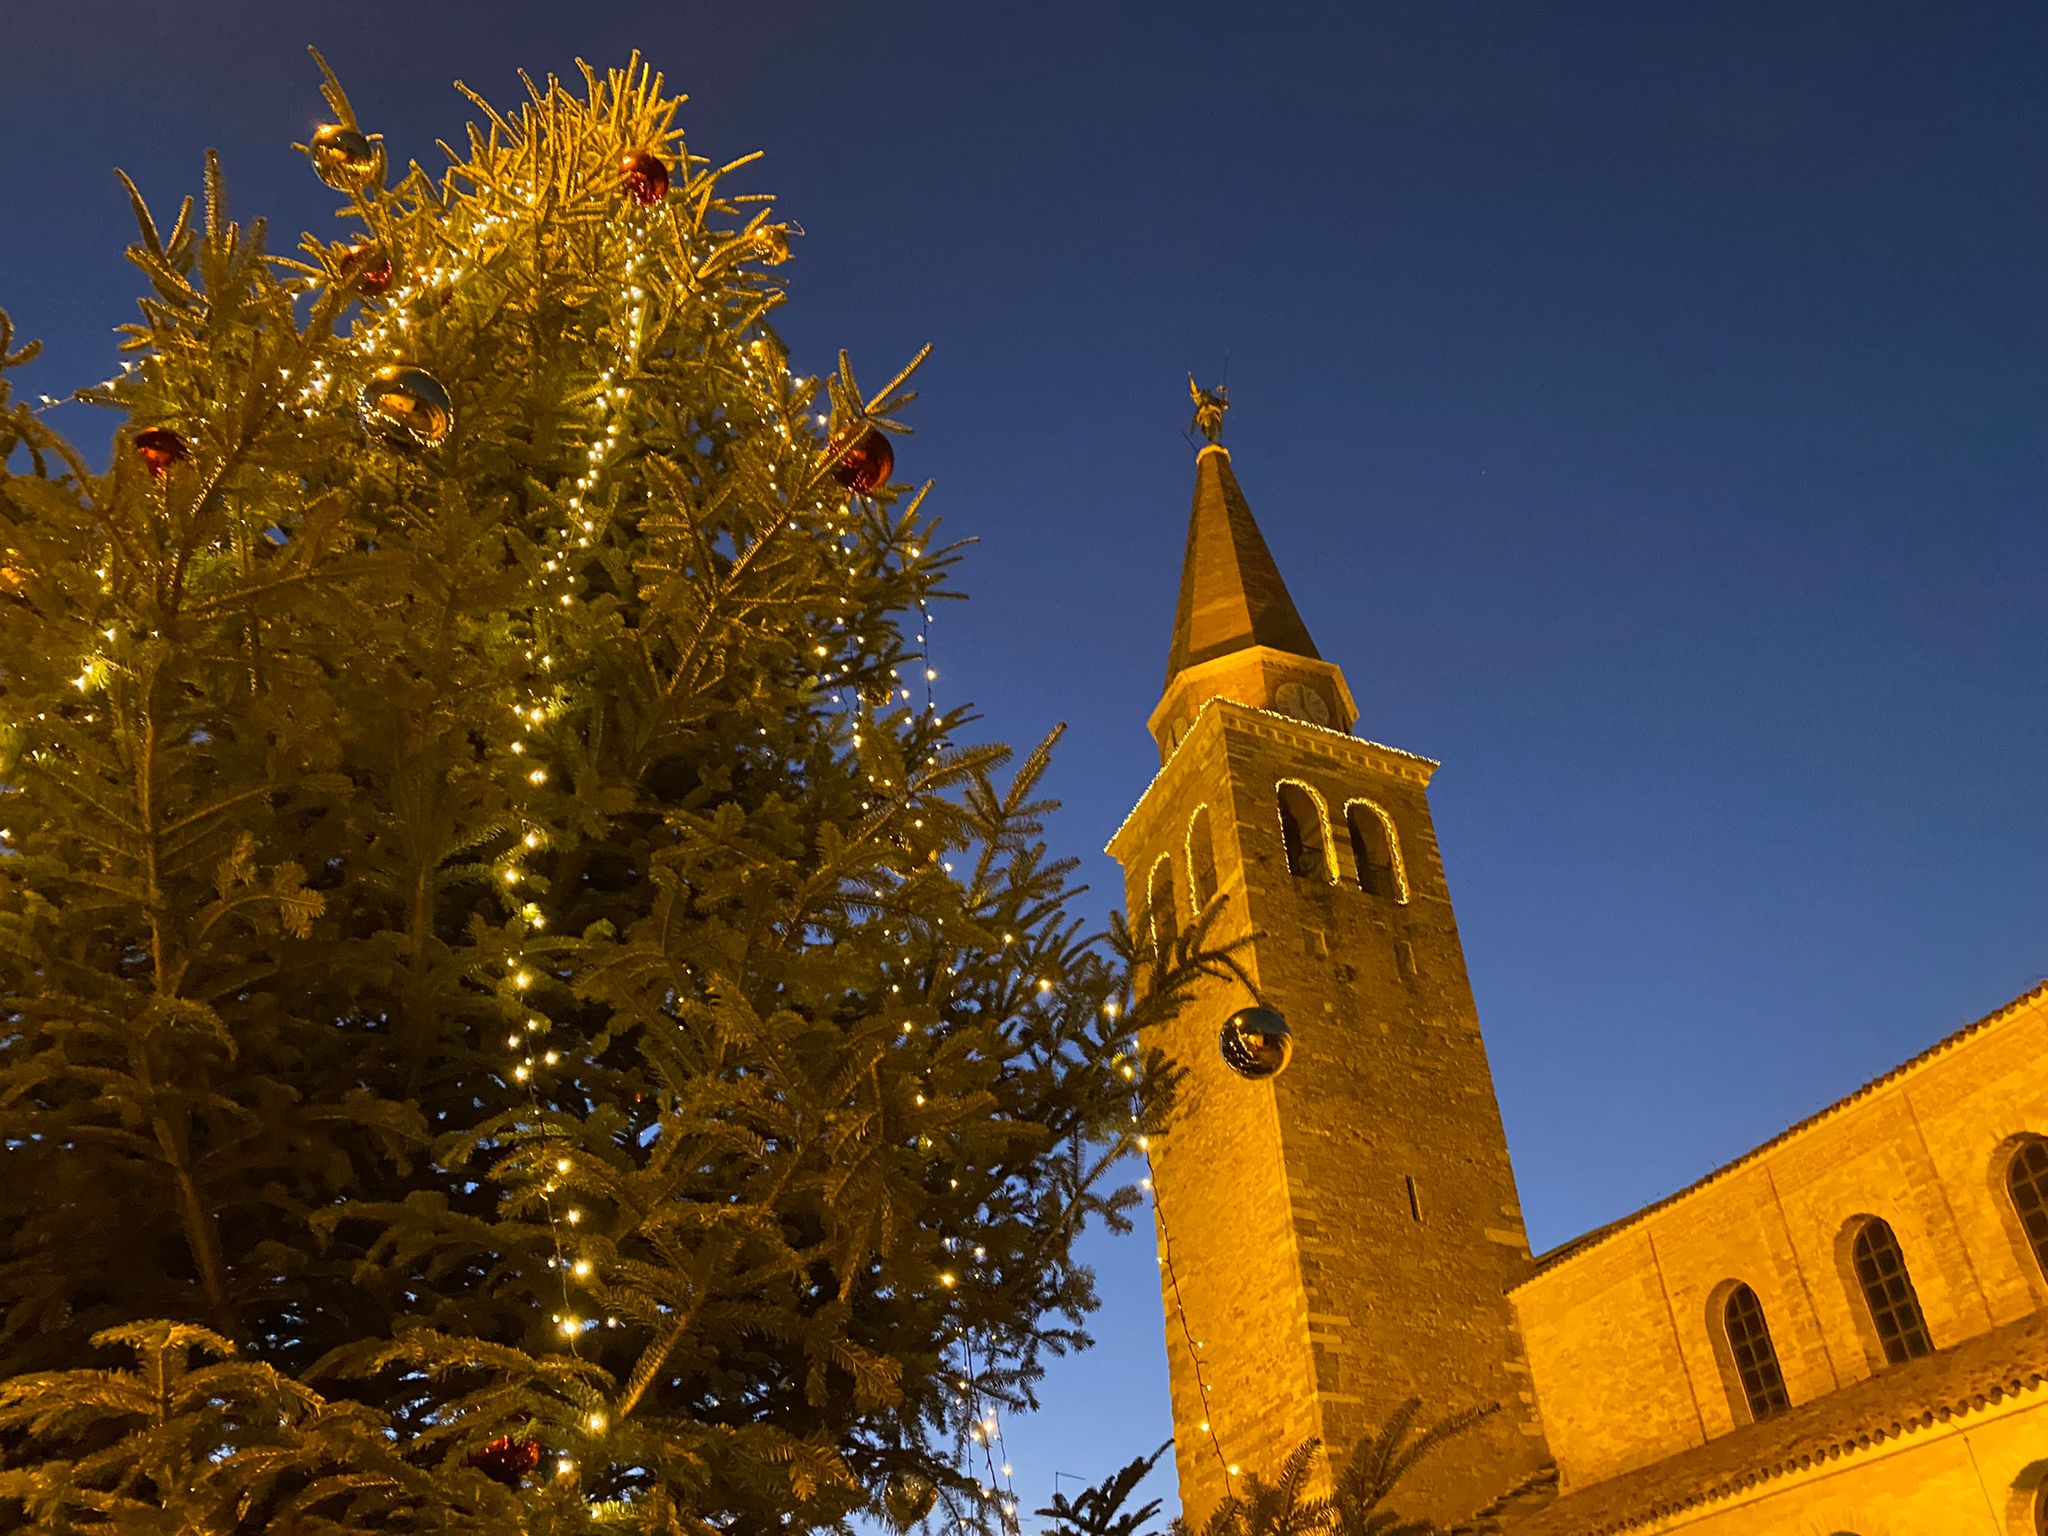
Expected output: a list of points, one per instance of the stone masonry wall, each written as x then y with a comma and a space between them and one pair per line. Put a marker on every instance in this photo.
1379, 1152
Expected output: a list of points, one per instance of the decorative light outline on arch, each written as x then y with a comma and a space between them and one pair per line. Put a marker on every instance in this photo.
1400, 863
1152, 899
1196, 900
1330, 875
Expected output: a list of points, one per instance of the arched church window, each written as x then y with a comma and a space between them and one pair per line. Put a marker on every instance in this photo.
1162, 904
1753, 1355
1888, 1292
1304, 831
1201, 858
1375, 851
2026, 1180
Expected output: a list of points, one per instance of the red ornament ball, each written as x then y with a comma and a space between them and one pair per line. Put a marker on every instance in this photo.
505, 1459
160, 448
866, 464
646, 177
368, 267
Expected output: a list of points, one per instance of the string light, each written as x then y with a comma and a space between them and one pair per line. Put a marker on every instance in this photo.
1180, 1315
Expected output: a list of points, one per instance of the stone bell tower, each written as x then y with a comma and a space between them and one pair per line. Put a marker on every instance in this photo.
1338, 1237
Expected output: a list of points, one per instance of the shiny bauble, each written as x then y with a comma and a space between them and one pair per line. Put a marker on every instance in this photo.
908, 1498
159, 448
13, 576
345, 158
506, 1460
866, 464
771, 244
645, 177
1256, 1043
405, 407
366, 267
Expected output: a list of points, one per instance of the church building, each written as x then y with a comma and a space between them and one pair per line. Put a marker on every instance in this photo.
1844, 1330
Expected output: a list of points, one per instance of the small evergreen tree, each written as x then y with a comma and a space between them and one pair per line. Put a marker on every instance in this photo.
514, 1005
1099, 1509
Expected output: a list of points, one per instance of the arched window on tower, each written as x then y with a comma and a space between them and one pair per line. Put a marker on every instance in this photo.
1304, 831
1201, 858
2026, 1181
1161, 903
1752, 1355
1888, 1291
1375, 851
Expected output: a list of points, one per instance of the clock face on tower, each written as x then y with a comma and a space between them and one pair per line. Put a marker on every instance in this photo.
1302, 702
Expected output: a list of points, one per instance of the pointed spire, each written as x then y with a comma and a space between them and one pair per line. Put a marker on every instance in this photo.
1231, 593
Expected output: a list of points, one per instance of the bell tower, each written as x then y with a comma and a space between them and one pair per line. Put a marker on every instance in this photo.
1337, 1237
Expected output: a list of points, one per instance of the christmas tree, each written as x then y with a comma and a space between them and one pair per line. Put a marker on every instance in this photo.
519, 1005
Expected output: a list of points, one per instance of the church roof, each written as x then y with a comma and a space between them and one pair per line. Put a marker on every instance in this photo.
1231, 594
1567, 1251
1901, 1400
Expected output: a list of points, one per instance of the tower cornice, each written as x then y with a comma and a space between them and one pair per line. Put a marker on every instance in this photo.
1320, 740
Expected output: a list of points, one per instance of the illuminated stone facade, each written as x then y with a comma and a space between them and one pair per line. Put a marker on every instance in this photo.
1846, 1330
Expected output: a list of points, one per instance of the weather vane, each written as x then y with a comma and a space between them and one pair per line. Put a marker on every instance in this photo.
1210, 404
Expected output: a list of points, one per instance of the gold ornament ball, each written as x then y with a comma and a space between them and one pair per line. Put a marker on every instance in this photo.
1256, 1043
406, 407
908, 1498
345, 158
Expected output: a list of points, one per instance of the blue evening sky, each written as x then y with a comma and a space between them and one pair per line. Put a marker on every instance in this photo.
1645, 402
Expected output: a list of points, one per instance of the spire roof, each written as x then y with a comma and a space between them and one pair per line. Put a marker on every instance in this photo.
1231, 594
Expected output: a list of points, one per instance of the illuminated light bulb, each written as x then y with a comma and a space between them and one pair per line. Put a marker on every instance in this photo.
512, 1041
1144, 1143
573, 1217
1205, 1426
1044, 985
1233, 1469
948, 1279
552, 1057
521, 1073
580, 1269
538, 776
511, 877
523, 980
1009, 1471
596, 1422
532, 839
561, 1165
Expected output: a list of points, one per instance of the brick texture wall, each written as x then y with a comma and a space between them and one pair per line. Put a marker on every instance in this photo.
1623, 1333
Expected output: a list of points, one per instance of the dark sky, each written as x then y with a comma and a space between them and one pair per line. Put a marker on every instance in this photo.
1645, 402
